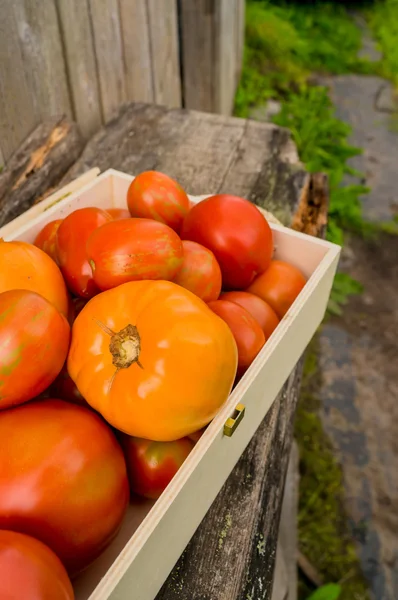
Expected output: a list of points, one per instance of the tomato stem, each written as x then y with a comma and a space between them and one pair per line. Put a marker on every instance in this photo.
125, 347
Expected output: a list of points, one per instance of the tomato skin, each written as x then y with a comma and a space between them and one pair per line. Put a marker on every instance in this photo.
30, 570
249, 336
72, 236
133, 250
118, 213
188, 358
63, 479
279, 285
34, 342
237, 234
64, 388
152, 465
196, 435
154, 195
258, 308
25, 267
46, 239
200, 272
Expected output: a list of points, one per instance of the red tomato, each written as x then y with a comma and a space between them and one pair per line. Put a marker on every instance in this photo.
118, 213
65, 388
29, 570
34, 342
249, 336
196, 435
63, 479
153, 195
132, 250
46, 240
152, 465
279, 286
258, 308
76, 304
72, 237
200, 272
237, 234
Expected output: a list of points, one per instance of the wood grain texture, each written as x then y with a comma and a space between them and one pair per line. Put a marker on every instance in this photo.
18, 116
106, 26
226, 43
164, 47
240, 38
77, 36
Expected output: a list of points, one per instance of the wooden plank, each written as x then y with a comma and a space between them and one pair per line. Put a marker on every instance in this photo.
81, 64
17, 112
137, 54
225, 56
163, 33
280, 589
108, 45
2, 161
42, 54
240, 38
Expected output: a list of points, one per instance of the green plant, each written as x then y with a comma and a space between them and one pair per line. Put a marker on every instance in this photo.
344, 286
331, 591
383, 19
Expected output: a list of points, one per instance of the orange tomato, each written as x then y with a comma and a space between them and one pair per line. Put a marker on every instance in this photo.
25, 267
153, 359
154, 195
200, 272
29, 570
118, 213
258, 308
34, 341
46, 239
249, 336
132, 250
279, 285
72, 236
152, 465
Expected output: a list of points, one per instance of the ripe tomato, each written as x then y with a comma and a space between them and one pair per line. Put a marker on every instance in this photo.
237, 234
34, 341
30, 570
200, 272
75, 306
196, 435
152, 465
63, 479
118, 213
249, 336
72, 237
153, 359
46, 239
258, 308
133, 249
25, 267
154, 195
279, 286
65, 388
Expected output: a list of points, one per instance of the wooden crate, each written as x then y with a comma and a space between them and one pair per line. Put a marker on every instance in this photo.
154, 534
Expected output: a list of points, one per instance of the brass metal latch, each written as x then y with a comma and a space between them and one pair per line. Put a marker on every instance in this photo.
232, 423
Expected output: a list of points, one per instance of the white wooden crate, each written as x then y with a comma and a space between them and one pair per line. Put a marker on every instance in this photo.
154, 534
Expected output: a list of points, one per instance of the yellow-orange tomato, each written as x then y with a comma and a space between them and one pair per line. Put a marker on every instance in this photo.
46, 239
153, 359
279, 285
25, 267
257, 307
200, 272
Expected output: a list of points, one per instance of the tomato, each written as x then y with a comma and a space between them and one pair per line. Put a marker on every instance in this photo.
46, 239
133, 249
72, 237
152, 465
63, 479
279, 286
118, 213
25, 267
237, 234
153, 359
65, 388
258, 308
29, 570
34, 341
154, 195
200, 272
196, 435
247, 332
75, 306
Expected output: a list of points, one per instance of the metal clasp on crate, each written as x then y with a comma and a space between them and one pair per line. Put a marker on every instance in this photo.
232, 423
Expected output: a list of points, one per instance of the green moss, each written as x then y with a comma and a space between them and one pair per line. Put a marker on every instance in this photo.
323, 534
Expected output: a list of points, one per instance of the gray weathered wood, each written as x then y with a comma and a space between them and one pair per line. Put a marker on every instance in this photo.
2, 161
240, 38
280, 590
225, 56
105, 18
78, 43
17, 111
163, 35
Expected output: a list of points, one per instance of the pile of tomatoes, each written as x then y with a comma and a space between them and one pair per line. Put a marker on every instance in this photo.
122, 333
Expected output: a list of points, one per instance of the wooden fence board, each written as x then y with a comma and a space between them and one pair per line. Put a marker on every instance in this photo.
136, 46
225, 56
108, 45
81, 64
240, 38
